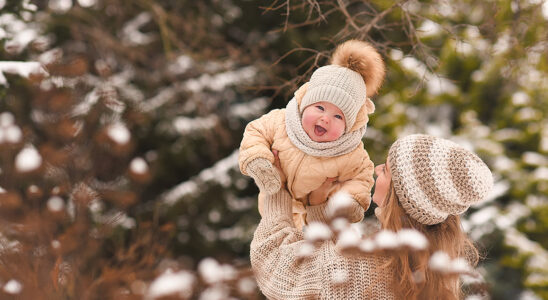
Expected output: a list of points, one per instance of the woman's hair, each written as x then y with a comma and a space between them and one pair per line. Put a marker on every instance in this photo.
413, 278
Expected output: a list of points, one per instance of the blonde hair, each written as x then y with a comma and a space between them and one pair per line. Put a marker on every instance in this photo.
413, 278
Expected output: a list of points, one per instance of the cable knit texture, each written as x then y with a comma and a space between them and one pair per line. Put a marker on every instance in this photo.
434, 177
265, 175
282, 274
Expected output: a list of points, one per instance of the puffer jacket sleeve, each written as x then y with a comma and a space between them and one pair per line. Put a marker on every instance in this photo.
357, 177
258, 138
274, 255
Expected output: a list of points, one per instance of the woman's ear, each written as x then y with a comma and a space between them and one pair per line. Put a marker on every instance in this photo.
299, 94
370, 106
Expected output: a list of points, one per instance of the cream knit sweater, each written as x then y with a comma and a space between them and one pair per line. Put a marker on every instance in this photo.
281, 274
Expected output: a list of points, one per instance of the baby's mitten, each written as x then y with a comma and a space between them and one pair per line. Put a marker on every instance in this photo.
265, 175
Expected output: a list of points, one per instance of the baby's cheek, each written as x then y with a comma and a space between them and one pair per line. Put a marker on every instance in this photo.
337, 133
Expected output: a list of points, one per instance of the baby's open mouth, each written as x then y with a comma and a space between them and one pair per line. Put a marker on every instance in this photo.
319, 130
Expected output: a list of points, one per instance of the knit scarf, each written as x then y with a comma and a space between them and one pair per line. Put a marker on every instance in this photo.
295, 131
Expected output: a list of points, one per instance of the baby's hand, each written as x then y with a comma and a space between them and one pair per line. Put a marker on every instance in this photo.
319, 195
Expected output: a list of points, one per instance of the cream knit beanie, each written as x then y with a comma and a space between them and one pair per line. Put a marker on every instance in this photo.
339, 86
434, 178
354, 64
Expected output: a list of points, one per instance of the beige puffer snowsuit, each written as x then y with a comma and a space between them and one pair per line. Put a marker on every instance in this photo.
304, 172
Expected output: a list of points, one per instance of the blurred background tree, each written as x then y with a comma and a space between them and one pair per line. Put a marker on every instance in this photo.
120, 123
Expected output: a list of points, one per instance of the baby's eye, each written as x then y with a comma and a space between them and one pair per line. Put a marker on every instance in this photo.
320, 107
339, 117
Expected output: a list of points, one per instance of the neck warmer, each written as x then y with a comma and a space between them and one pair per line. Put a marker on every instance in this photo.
295, 131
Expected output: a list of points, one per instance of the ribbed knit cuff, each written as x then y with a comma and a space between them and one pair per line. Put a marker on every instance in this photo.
278, 206
316, 213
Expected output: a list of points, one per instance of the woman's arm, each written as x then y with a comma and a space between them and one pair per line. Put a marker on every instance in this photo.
280, 271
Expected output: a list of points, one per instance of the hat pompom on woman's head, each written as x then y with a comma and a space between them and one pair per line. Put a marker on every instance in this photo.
361, 57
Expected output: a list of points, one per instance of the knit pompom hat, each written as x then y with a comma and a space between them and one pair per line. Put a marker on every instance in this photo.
434, 178
355, 73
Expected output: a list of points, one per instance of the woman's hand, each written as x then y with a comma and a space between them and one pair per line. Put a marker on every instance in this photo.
278, 166
319, 195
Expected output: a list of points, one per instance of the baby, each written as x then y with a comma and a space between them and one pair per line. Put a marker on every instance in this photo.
319, 133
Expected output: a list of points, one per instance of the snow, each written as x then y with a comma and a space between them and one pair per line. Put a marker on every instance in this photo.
21, 40
339, 202
181, 190
87, 3
217, 292
182, 64
520, 98
84, 107
348, 238
484, 215
13, 287
367, 245
439, 261
55, 244
249, 109
429, 28
212, 271
217, 173
340, 224
387, 239
170, 283
317, 231
528, 114
55, 204
502, 45
541, 173
11, 134
436, 85
51, 56
60, 6
515, 211
138, 166
460, 265
220, 81
339, 276
528, 294
21, 68
119, 133
7, 246
131, 34
113, 217
28, 160
6, 119
246, 285
538, 256
2, 4
396, 54
184, 125
305, 249
412, 238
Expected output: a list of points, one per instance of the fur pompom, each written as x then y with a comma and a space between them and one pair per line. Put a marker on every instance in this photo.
363, 58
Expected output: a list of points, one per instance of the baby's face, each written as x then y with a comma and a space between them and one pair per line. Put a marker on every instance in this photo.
323, 122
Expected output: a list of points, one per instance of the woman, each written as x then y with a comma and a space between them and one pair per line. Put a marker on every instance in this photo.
425, 184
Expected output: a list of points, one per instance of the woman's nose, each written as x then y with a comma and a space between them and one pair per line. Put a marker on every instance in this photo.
378, 169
